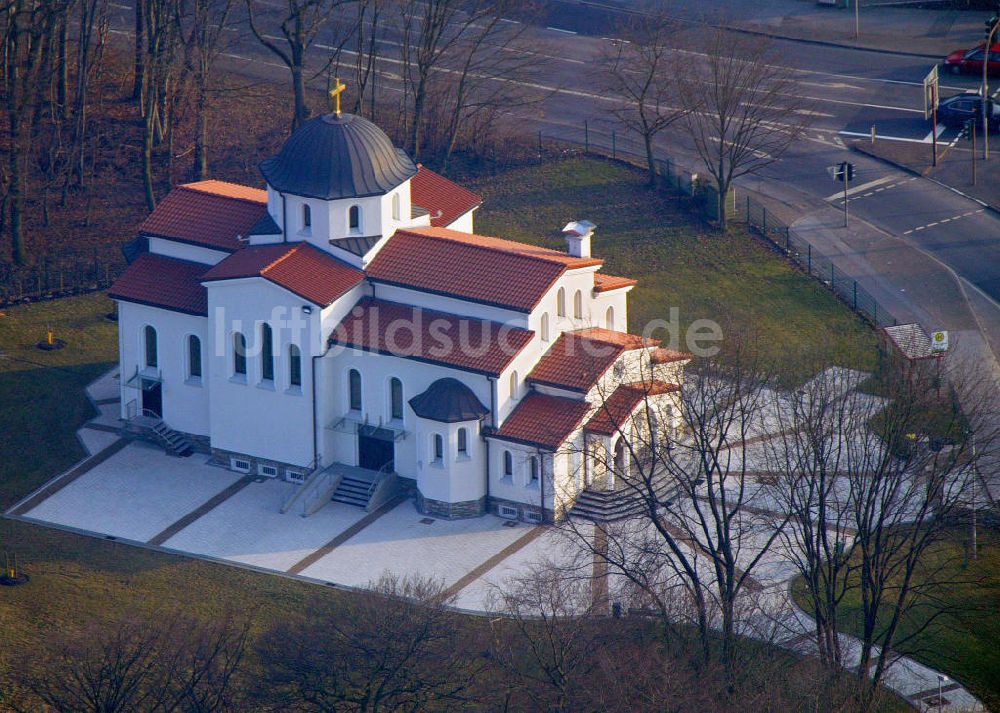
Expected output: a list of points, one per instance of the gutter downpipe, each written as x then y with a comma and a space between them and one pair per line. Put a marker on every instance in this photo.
493, 421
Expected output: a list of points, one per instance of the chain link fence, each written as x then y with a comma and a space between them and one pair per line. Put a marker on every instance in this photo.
679, 179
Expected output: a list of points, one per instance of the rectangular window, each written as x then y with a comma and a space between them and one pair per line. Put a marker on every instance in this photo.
295, 366
239, 354
533, 516
194, 357
268, 471
354, 388
508, 511
151, 359
463, 442
438, 447
295, 476
239, 465
266, 353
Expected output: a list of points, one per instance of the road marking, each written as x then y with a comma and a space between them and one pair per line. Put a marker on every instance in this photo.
930, 134
559, 29
868, 134
863, 187
943, 221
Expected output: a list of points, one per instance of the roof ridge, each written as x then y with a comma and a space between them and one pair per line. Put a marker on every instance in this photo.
284, 256
557, 257
194, 189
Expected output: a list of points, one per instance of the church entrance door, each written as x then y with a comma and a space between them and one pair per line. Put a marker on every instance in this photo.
375, 448
152, 398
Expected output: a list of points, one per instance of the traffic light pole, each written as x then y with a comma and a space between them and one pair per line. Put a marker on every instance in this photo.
846, 181
986, 87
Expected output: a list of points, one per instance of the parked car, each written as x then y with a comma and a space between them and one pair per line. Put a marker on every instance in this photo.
957, 110
971, 61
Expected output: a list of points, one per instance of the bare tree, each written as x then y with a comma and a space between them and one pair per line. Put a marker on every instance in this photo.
697, 534
302, 21
393, 648
203, 30
175, 663
642, 68
742, 110
873, 484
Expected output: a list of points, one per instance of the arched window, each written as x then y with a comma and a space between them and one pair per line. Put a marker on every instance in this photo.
545, 327
438, 447
395, 398
508, 464
609, 318
578, 305
513, 385
294, 365
561, 302
149, 335
533, 470
194, 357
395, 206
266, 352
239, 354
354, 218
463, 442
307, 219
354, 389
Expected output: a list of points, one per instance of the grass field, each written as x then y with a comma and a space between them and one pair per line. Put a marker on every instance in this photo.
965, 642
679, 263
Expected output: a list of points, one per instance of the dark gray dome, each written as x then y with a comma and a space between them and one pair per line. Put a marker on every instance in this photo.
448, 401
337, 156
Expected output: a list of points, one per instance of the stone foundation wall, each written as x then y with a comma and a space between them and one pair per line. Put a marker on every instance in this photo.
526, 513
451, 511
223, 458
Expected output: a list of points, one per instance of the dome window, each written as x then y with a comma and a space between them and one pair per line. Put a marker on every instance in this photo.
307, 219
354, 219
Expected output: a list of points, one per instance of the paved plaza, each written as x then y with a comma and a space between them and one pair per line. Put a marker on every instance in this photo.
133, 491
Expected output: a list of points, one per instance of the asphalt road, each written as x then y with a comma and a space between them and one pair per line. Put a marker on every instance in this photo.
848, 91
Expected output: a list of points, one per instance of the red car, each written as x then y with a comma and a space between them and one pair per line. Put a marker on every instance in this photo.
971, 61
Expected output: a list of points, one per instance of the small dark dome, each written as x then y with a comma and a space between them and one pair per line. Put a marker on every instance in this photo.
448, 401
337, 156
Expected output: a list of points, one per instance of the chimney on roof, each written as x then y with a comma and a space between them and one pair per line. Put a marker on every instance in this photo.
578, 233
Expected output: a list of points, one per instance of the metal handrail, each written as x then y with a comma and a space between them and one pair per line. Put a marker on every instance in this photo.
382, 474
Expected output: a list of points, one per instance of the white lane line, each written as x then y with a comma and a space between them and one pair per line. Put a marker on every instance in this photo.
513, 22
943, 221
559, 29
930, 134
863, 187
882, 136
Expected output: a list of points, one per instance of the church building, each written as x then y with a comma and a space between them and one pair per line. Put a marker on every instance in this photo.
344, 328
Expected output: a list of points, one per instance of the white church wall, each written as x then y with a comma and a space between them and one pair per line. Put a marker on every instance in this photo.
518, 486
248, 414
456, 477
183, 251
411, 452
185, 399
463, 222
616, 300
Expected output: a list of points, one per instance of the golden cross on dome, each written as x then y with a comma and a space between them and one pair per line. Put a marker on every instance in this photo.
338, 87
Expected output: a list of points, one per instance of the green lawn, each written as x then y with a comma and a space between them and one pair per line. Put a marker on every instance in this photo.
679, 262
964, 643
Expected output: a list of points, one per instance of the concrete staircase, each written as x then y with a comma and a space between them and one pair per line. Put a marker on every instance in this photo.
353, 490
600, 505
154, 429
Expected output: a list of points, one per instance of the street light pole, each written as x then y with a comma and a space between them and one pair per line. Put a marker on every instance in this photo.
941, 679
857, 23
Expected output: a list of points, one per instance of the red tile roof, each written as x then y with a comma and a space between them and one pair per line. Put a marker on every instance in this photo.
430, 336
446, 201
298, 267
616, 409
209, 213
578, 359
467, 266
665, 356
542, 420
510, 246
163, 282
606, 283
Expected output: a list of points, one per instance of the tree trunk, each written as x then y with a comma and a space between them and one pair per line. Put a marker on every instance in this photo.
140, 50
650, 160
201, 137
723, 219
299, 89
147, 163
62, 69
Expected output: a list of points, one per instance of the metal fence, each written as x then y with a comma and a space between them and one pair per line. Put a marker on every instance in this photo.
67, 272
785, 239
679, 179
